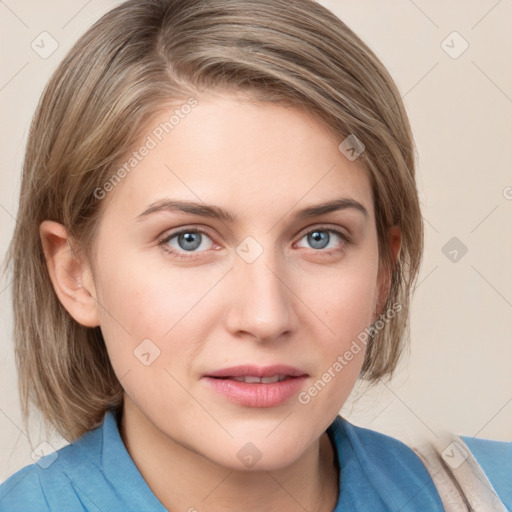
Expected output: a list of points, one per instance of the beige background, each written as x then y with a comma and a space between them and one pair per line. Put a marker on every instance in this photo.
458, 375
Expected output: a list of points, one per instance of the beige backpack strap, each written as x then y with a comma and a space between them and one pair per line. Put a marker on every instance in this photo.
459, 479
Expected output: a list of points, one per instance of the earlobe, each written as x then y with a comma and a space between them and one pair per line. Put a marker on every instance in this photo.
395, 242
385, 273
71, 276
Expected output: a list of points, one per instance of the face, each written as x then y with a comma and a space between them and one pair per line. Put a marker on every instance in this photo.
221, 328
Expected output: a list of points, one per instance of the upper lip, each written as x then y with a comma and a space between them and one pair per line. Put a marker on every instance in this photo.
257, 371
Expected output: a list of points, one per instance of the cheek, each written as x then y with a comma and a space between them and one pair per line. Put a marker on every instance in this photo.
340, 351
151, 328
347, 298
178, 309
140, 302
347, 301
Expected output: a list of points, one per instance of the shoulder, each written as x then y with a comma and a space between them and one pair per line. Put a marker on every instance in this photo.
495, 459
22, 491
92, 473
391, 470
495, 454
381, 449
34, 487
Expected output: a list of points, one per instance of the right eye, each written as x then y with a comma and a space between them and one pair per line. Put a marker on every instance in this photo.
184, 241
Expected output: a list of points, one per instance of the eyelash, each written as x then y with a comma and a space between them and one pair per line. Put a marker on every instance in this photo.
183, 256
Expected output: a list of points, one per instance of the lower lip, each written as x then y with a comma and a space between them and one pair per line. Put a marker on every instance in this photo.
256, 395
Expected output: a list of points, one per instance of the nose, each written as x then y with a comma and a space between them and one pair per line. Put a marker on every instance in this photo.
261, 302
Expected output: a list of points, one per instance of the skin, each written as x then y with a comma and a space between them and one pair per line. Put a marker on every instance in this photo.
295, 304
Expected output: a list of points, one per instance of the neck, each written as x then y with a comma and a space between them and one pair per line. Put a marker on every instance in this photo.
196, 483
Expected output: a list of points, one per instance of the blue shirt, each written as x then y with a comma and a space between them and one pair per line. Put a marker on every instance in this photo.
95, 473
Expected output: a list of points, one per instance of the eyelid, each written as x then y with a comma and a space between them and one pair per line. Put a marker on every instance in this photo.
342, 232
167, 235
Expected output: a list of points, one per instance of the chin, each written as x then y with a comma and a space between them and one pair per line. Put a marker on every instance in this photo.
255, 453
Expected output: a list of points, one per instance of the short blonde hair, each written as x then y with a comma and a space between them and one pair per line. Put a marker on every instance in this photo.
144, 55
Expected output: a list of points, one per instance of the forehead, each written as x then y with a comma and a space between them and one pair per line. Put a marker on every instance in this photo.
255, 158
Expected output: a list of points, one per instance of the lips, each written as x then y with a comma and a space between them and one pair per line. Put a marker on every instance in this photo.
256, 386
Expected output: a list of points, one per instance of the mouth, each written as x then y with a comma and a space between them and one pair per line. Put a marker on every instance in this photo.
255, 386
279, 371
250, 379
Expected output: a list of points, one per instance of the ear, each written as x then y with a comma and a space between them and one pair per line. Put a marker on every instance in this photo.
71, 278
385, 272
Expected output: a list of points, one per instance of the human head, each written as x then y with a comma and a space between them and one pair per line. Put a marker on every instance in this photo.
138, 59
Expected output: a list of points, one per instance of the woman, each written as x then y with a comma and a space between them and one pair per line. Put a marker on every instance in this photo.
219, 208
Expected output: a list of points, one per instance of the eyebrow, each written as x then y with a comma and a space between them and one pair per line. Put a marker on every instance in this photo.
205, 210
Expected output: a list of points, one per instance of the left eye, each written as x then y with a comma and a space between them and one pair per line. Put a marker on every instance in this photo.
320, 238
